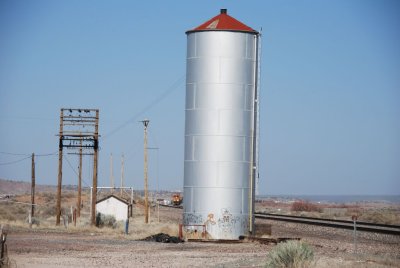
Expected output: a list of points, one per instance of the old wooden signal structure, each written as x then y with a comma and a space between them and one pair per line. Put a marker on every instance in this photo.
79, 130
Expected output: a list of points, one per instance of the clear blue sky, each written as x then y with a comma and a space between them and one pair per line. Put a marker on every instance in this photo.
330, 89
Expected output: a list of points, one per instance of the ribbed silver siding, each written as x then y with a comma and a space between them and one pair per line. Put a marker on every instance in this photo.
220, 84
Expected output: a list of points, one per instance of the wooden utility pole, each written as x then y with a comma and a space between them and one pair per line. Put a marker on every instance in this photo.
79, 202
33, 186
111, 174
60, 158
96, 151
122, 173
146, 192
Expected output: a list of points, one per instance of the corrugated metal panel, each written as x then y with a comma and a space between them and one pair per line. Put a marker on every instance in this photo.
220, 87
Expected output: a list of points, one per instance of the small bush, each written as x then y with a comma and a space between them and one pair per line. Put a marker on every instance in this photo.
291, 254
21, 210
105, 221
305, 206
48, 197
67, 195
48, 211
355, 210
6, 215
35, 221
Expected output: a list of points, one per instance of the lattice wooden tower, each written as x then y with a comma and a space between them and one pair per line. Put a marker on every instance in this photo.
79, 130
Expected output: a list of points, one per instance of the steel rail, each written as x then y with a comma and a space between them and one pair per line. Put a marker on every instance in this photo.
332, 220
172, 206
342, 224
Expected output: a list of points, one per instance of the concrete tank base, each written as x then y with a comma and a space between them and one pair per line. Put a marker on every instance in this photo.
223, 225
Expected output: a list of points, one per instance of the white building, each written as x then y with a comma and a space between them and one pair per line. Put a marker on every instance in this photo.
115, 206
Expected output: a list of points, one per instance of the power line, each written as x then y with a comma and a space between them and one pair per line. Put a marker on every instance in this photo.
46, 154
12, 153
73, 169
169, 90
22, 159
49, 154
14, 162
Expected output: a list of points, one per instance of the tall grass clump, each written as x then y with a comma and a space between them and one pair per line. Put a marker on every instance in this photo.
290, 254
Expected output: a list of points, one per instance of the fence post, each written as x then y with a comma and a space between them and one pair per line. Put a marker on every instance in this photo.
180, 231
4, 260
354, 218
30, 219
126, 226
74, 216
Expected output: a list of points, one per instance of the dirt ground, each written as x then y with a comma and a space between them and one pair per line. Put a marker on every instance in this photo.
46, 246
86, 250
40, 248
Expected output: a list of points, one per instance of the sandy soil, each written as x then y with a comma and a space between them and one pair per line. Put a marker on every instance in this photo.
91, 247
86, 250
63, 249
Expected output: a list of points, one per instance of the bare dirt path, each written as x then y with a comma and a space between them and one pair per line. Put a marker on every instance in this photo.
38, 249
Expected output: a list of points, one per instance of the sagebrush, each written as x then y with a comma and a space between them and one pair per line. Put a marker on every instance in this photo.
106, 221
305, 206
290, 254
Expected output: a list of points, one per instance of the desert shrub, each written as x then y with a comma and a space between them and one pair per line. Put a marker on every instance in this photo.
355, 210
305, 206
13, 212
381, 216
105, 221
3, 211
333, 212
21, 209
67, 195
49, 211
48, 197
5, 214
11, 217
291, 254
35, 221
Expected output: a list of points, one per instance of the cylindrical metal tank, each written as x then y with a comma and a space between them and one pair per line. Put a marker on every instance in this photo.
220, 113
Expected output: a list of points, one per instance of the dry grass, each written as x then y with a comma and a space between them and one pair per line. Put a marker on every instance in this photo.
16, 216
300, 206
369, 212
360, 261
292, 254
139, 230
385, 216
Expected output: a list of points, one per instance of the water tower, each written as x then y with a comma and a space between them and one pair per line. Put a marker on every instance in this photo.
221, 116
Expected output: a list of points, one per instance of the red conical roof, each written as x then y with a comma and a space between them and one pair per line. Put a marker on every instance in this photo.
223, 22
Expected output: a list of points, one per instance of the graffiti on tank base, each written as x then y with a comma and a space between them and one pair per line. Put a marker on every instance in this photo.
244, 223
210, 224
227, 222
210, 219
191, 219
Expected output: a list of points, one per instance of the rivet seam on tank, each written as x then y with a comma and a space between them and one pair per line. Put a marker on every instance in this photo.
213, 24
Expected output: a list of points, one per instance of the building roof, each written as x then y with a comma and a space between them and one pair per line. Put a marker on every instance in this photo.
223, 22
116, 197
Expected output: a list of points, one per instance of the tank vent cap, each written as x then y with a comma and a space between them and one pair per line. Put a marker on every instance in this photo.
224, 11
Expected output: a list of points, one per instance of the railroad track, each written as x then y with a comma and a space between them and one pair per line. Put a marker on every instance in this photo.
342, 224
172, 206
